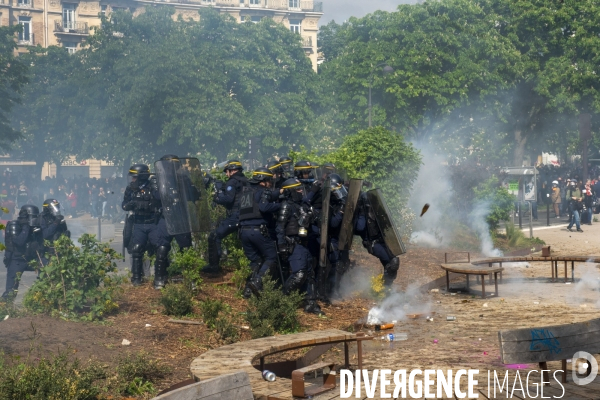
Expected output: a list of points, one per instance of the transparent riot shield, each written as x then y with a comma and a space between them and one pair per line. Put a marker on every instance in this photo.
390, 234
178, 194
192, 184
347, 229
324, 224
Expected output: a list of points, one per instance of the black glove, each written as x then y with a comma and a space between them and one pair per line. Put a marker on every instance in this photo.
283, 251
316, 186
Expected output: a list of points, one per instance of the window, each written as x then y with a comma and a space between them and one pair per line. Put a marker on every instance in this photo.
296, 25
25, 36
254, 3
24, 3
70, 46
255, 19
103, 8
68, 16
295, 4
208, 1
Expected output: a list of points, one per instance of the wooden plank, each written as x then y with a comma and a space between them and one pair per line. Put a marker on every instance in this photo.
462, 268
231, 386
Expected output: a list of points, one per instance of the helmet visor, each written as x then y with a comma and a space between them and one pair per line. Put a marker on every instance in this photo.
340, 192
53, 208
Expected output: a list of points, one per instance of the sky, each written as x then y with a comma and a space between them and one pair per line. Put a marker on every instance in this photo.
341, 10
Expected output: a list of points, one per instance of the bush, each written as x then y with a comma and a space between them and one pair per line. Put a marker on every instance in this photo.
211, 309
137, 374
273, 312
226, 330
177, 299
499, 200
48, 378
77, 283
187, 263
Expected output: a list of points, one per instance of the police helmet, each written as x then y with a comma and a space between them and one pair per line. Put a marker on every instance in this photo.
338, 189
329, 167
30, 213
233, 165
51, 206
274, 167
262, 174
286, 164
140, 171
294, 189
302, 167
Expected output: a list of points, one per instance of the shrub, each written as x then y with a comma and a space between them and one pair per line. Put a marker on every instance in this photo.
137, 374
226, 330
48, 378
500, 201
272, 311
211, 309
77, 282
177, 299
187, 263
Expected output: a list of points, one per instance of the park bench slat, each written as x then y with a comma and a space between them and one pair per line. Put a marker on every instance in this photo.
231, 386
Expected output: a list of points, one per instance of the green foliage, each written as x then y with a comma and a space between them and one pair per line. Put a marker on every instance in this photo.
48, 378
226, 330
137, 373
273, 312
177, 299
211, 310
516, 239
13, 77
500, 201
187, 263
8, 307
240, 276
77, 282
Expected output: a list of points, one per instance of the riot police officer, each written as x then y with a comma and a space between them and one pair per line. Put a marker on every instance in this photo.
327, 277
142, 197
24, 243
229, 197
304, 172
256, 208
367, 228
293, 220
53, 222
277, 172
326, 170
286, 167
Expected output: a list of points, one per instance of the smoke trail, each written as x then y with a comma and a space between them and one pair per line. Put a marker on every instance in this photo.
480, 226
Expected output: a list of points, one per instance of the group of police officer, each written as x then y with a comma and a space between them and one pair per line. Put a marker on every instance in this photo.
24, 239
295, 226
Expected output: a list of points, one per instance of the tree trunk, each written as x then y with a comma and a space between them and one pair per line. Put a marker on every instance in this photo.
519, 153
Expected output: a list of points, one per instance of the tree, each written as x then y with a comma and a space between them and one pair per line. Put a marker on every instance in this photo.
12, 79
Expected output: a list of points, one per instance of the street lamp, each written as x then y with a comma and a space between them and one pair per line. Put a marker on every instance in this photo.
386, 71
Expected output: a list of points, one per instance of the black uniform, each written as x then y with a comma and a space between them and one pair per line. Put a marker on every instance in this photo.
53, 227
24, 243
142, 197
256, 210
229, 197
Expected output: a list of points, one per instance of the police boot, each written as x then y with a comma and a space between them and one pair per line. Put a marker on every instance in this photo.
214, 256
136, 269
390, 271
311, 305
160, 267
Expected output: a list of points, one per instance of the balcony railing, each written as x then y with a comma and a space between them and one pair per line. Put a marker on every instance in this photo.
80, 28
318, 6
299, 5
307, 42
26, 42
24, 3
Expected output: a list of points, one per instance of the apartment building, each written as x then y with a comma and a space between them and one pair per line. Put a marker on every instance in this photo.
67, 23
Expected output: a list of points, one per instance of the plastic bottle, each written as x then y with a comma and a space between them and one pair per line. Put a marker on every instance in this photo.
387, 337
269, 376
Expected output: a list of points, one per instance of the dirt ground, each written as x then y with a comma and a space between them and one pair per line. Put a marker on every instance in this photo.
527, 298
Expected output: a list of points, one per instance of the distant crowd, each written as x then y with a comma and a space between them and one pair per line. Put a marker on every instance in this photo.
100, 198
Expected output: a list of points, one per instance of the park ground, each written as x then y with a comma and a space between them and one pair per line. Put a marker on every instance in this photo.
527, 298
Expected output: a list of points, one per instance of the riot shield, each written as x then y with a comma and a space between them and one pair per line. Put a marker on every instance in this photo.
347, 229
192, 184
177, 194
324, 224
390, 234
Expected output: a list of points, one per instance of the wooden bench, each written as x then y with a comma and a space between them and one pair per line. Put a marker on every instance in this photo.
231, 386
242, 355
550, 343
471, 269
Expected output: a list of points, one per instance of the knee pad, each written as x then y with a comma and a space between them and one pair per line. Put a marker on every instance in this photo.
162, 252
294, 282
393, 265
137, 250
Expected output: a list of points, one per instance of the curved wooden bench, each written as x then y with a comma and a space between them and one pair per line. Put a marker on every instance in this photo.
241, 356
471, 269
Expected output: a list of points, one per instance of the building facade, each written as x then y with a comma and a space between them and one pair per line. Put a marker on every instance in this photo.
67, 23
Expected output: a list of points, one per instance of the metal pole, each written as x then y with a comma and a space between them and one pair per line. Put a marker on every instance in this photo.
530, 220
100, 228
520, 217
547, 214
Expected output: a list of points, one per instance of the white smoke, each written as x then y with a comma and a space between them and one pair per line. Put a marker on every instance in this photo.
480, 226
397, 306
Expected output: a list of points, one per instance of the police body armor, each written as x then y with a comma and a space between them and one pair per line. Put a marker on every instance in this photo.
146, 205
241, 183
62, 227
34, 248
247, 206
